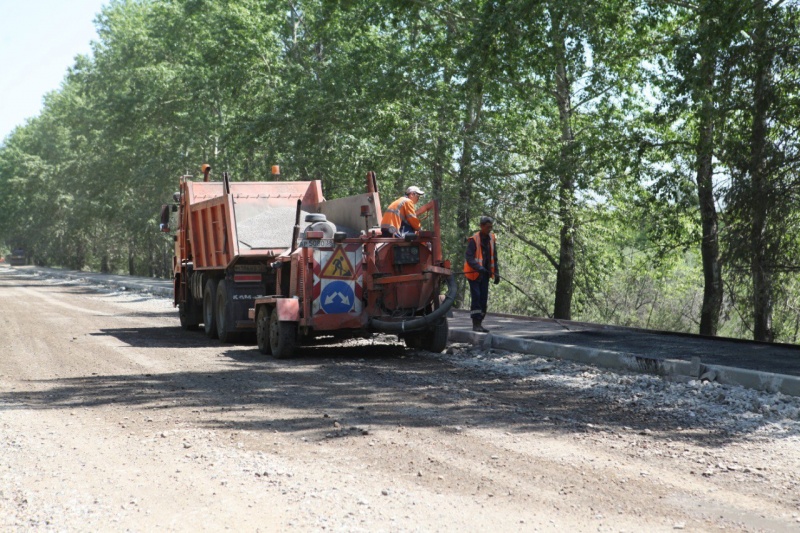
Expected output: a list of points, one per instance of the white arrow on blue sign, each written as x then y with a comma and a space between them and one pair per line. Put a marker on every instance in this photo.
337, 297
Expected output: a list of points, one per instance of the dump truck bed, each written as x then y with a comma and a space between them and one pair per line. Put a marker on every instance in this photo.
252, 219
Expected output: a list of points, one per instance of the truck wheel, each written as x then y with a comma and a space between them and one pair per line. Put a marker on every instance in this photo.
189, 316
221, 308
262, 330
282, 336
209, 316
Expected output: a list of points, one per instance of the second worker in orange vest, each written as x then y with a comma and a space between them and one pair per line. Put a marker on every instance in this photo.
480, 265
401, 215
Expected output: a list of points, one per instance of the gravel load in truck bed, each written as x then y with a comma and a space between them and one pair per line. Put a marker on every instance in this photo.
264, 226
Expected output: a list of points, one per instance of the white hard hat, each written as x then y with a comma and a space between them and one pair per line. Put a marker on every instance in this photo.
415, 189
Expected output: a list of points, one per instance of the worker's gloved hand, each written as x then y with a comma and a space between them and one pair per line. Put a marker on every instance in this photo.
496, 279
482, 272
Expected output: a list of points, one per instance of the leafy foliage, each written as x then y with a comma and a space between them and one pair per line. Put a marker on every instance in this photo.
617, 142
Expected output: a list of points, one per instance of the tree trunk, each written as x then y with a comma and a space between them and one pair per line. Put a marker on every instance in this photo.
464, 211
565, 276
437, 183
709, 246
762, 97
471, 118
440, 156
131, 259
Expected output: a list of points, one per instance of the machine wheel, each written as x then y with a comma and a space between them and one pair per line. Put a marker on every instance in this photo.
435, 340
413, 340
209, 314
432, 340
221, 308
282, 336
262, 330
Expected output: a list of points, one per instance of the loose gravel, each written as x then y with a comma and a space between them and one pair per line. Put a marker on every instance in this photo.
118, 420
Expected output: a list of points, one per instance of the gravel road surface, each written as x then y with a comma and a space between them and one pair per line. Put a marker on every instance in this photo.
114, 419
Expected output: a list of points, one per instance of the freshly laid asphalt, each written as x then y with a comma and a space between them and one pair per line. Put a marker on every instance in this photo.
763, 357
763, 366
760, 366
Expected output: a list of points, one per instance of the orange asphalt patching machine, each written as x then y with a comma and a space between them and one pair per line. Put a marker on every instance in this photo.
279, 258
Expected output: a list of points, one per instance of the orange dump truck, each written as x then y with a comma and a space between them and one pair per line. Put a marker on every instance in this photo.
278, 258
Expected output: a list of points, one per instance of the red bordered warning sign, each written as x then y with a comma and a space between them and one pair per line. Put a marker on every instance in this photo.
338, 266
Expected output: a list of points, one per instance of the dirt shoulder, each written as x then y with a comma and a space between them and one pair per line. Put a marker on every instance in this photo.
113, 418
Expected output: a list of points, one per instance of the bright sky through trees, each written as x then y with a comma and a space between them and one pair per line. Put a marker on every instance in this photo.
39, 40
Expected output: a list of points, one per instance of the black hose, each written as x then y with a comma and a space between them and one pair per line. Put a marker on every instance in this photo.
517, 287
507, 281
421, 322
525, 293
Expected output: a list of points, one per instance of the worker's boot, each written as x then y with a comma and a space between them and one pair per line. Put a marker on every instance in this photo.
476, 326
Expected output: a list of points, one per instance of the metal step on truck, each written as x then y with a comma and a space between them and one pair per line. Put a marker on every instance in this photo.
278, 258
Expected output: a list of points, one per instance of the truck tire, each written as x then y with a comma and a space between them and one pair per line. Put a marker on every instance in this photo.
209, 313
282, 336
221, 308
189, 315
262, 330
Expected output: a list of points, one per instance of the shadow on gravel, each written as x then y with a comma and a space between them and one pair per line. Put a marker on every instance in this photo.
370, 385
150, 314
160, 336
333, 391
363, 384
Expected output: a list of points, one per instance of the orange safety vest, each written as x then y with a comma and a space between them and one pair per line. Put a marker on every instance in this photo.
399, 211
470, 272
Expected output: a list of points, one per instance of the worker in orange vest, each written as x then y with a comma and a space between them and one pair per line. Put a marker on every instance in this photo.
479, 267
401, 215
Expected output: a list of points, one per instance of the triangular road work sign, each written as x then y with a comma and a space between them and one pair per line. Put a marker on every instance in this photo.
338, 266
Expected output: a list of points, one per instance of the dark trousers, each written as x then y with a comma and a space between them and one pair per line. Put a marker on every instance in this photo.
404, 228
479, 295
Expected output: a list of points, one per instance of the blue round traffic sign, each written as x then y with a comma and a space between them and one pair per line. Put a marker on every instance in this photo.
337, 297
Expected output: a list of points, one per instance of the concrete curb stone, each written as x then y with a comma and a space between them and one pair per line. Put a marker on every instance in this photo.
751, 379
